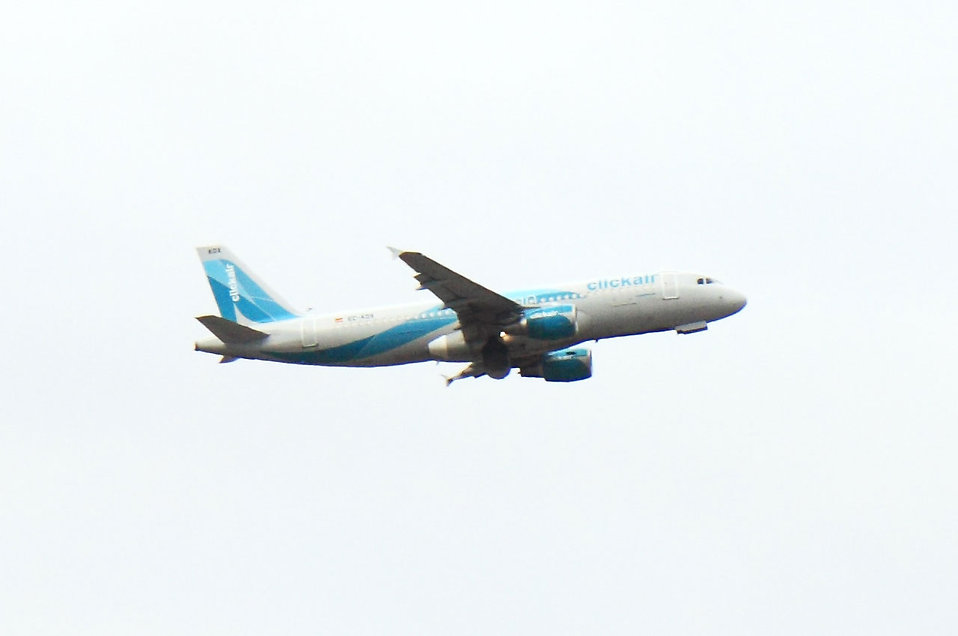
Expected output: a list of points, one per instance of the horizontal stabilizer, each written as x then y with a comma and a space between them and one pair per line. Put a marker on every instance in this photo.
229, 331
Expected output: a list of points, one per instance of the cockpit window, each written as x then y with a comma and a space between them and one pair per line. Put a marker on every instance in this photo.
706, 281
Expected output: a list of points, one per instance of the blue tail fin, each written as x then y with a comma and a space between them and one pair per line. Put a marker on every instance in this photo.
241, 296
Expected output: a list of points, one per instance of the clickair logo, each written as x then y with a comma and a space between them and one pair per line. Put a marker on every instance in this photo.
231, 281
625, 281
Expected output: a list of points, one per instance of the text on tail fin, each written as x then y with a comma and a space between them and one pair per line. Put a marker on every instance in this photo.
240, 296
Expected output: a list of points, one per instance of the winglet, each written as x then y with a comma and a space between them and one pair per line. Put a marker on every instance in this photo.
394, 251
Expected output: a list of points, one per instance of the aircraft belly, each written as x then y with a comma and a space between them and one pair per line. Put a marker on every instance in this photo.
405, 354
643, 314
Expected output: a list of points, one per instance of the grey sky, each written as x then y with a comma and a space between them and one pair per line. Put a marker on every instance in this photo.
790, 471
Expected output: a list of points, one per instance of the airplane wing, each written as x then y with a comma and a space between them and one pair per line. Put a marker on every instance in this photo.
473, 303
482, 312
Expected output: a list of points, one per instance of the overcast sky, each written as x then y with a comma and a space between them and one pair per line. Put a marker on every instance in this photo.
789, 471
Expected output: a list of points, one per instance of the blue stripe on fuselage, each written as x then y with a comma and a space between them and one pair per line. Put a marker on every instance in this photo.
374, 345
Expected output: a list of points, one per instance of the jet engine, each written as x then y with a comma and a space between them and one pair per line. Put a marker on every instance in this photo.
451, 347
570, 365
546, 323
494, 355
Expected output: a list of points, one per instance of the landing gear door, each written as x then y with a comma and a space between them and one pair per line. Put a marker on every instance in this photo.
670, 287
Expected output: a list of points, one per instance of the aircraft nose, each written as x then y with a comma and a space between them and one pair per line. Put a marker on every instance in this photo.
737, 300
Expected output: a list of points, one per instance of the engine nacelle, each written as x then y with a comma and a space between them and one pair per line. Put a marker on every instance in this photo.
451, 347
570, 365
546, 323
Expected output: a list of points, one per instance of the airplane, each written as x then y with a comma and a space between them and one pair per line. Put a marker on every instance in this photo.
537, 331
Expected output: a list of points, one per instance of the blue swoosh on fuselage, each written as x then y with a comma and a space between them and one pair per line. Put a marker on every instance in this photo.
374, 345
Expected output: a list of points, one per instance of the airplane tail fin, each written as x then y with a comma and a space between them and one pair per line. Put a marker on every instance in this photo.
240, 295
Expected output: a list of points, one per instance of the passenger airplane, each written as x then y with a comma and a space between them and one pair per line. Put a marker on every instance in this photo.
536, 331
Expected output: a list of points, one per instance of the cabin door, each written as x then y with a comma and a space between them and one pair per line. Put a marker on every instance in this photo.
670, 287
309, 332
